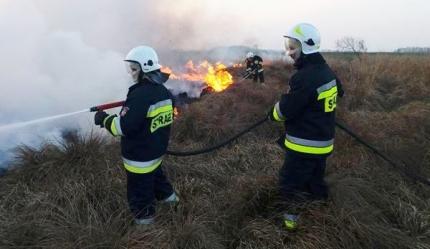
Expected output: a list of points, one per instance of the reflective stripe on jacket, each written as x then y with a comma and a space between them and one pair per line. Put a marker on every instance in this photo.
308, 109
144, 126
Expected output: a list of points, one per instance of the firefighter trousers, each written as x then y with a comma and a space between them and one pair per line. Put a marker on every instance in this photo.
302, 178
144, 189
259, 76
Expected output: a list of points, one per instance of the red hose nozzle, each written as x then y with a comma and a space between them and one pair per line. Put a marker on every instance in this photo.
106, 106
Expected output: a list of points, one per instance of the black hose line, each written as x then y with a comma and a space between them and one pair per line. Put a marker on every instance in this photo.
219, 145
407, 172
339, 125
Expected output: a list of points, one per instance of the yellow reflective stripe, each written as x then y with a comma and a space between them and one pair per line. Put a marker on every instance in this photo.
327, 93
104, 120
154, 109
290, 224
161, 120
160, 110
117, 121
142, 170
277, 114
308, 149
115, 127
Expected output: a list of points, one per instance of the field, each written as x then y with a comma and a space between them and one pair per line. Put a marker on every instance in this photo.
73, 195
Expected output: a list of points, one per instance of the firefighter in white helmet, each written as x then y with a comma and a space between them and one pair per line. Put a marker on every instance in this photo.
254, 67
308, 111
144, 127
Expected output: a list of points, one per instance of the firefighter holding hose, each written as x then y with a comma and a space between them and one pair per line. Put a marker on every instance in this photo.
308, 111
144, 127
254, 67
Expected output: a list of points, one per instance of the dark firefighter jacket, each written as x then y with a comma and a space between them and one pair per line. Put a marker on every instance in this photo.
254, 64
144, 126
308, 109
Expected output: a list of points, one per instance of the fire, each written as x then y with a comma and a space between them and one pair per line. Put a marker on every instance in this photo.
175, 112
215, 76
169, 71
218, 78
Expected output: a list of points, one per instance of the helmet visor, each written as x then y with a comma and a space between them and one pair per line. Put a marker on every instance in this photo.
133, 69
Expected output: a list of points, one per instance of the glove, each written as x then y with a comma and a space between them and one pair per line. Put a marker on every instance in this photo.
99, 117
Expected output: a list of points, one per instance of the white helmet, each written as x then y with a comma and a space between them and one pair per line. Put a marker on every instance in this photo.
308, 36
145, 56
249, 55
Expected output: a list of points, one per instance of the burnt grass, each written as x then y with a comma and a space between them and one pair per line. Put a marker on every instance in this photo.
72, 194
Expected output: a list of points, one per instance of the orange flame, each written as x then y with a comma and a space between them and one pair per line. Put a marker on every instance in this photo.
175, 112
169, 71
215, 76
219, 79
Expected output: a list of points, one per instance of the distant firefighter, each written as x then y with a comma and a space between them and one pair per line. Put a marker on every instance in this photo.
254, 67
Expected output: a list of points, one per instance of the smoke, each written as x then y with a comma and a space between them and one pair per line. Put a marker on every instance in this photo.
45, 72
112, 24
60, 56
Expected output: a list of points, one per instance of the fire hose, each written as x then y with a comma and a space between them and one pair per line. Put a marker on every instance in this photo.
188, 153
247, 75
260, 122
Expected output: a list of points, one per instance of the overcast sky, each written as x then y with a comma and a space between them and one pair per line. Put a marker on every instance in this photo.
384, 24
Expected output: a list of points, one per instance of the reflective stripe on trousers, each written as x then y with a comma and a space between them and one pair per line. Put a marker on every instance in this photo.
142, 167
308, 146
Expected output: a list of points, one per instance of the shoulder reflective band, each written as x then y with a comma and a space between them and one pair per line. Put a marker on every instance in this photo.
277, 114
260, 70
142, 167
159, 107
309, 146
115, 127
327, 90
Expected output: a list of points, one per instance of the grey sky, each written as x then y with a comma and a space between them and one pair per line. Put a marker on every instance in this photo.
384, 24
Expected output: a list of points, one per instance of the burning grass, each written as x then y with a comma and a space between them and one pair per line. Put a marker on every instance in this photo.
215, 76
73, 195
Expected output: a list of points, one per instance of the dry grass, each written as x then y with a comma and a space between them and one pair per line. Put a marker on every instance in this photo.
73, 195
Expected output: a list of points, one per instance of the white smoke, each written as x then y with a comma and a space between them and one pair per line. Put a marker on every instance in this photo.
47, 72
60, 56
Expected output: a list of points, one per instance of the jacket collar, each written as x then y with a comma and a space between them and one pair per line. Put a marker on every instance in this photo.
139, 84
310, 59
156, 77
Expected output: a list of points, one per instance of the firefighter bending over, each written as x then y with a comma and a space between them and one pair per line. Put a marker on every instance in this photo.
254, 67
144, 127
308, 111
